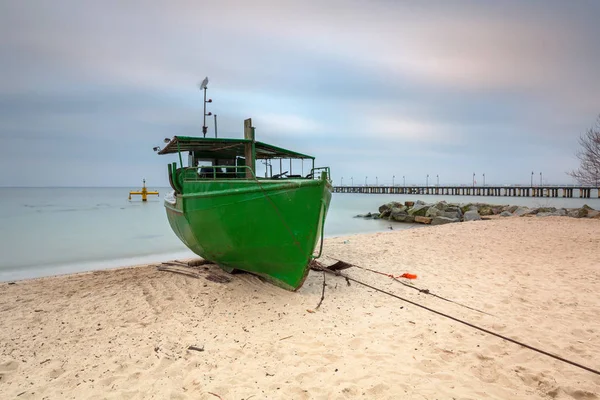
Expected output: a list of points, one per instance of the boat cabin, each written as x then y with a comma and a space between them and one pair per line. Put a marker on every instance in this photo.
224, 159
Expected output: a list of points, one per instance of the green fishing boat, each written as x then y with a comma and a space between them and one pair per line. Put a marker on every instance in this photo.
269, 226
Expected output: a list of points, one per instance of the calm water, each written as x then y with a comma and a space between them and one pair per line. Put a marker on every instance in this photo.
49, 231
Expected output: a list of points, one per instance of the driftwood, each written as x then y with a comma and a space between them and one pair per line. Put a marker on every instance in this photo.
179, 270
191, 271
198, 262
175, 263
196, 348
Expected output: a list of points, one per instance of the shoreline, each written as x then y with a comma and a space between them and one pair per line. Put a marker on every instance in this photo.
23, 273
18, 274
125, 332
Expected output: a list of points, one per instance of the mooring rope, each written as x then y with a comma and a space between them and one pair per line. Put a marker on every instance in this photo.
464, 322
425, 291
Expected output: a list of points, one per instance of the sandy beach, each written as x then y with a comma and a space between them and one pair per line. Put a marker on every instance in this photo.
125, 333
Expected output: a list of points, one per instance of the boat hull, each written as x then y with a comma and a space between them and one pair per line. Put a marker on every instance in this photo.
268, 227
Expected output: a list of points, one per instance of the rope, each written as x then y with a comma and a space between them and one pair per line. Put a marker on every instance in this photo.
425, 291
467, 323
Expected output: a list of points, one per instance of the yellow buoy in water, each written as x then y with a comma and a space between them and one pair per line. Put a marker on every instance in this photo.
144, 192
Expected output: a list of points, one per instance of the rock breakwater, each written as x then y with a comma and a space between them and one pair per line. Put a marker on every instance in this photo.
445, 213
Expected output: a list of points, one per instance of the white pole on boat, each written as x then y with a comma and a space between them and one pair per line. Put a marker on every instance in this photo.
204, 127
202, 86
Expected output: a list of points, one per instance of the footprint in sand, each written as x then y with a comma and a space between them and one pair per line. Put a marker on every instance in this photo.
56, 371
6, 368
581, 394
378, 389
428, 366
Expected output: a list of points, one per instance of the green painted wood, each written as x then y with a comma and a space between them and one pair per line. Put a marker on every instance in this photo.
266, 227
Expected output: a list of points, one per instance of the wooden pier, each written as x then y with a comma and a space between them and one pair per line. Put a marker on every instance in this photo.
507, 191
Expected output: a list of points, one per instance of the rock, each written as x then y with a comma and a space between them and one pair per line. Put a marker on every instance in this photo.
441, 205
512, 209
389, 206
368, 215
453, 208
436, 209
423, 220
443, 220
397, 212
433, 212
418, 209
506, 214
472, 215
420, 203
385, 207
522, 211
546, 209
385, 214
593, 214
486, 210
404, 218
450, 214
468, 207
409, 203
577, 212
548, 214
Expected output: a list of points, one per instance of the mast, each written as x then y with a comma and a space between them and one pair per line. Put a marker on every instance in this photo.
203, 86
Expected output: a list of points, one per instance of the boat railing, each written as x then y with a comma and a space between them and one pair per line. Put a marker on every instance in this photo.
193, 174
324, 173
214, 172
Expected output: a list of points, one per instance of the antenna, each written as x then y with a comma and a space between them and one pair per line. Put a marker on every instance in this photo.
203, 86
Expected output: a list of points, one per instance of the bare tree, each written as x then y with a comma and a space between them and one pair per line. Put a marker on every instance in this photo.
588, 172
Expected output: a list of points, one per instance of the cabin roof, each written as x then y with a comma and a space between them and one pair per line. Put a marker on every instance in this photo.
223, 148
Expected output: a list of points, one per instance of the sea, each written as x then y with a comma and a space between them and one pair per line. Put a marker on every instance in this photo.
55, 231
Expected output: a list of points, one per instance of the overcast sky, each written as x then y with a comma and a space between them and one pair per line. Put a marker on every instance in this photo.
371, 88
